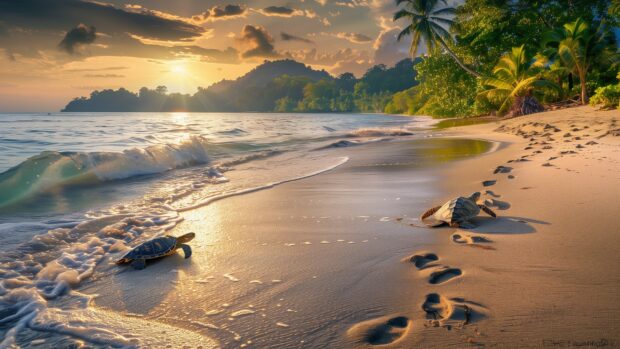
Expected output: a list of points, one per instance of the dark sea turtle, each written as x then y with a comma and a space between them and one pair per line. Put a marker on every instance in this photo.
156, 248
456, 212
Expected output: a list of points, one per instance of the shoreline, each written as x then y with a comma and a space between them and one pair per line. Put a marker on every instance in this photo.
341, 259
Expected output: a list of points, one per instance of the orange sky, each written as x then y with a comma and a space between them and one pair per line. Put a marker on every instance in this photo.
54, 51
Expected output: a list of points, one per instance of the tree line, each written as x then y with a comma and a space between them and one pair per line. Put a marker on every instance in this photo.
276, 86
509, 56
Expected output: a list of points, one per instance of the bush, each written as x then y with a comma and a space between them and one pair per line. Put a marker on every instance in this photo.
607, 96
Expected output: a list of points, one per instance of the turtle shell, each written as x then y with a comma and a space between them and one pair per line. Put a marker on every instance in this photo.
456, 210
155, 248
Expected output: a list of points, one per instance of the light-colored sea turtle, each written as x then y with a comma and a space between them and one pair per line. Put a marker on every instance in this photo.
156, 248
456, 212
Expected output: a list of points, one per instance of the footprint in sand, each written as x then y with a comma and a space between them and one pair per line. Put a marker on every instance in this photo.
442, 311
380, 331
444, 275
472, 241
489, 182
421, 261
469, 239
502, 169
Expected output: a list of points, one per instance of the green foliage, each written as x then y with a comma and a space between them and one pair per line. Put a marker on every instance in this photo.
607, 96
426, 22
486, 30
515, 75
403, 102
580, 46
445, 90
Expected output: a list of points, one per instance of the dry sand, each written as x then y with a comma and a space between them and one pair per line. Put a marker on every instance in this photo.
338, 260
546, 272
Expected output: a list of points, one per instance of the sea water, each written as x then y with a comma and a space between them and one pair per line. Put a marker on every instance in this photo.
77, 188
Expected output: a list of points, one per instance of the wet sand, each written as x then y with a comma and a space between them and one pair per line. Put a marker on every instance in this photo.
340, 259
299, 264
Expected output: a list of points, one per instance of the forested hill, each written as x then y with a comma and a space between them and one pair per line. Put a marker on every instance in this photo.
281, 86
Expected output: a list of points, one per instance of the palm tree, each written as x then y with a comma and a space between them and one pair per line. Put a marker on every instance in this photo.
427, 18
579, 48
516, 78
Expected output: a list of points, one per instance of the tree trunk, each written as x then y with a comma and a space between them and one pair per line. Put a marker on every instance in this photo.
458, 61
584, 90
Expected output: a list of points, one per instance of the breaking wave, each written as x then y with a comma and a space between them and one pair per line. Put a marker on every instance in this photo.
50, 169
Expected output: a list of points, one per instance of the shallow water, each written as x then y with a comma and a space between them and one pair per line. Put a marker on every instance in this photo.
84, 188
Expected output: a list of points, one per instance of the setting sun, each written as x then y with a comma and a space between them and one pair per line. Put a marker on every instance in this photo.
178, 68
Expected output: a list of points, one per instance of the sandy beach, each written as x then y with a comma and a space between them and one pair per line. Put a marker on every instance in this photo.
341, 259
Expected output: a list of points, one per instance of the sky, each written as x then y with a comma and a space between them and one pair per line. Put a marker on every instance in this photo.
53, 51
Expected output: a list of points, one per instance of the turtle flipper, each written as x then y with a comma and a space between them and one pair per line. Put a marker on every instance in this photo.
428, 219
430, 212
186, 250
138, 264
487, 210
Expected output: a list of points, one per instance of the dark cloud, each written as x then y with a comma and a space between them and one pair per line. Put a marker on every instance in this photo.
32, 27
80, 35
217, 12
47, 15
289, 37
259, 41
229, 10
278, 10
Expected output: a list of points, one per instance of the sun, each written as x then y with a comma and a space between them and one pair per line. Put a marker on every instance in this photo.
178, 68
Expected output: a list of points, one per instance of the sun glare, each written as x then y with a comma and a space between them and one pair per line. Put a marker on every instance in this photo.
178, 68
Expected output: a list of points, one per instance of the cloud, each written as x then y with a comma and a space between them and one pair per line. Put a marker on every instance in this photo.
356, 38
259, 41
278, 11
283, 11
289, 37
104, 76
387, 49
34, 27
80, 35
57, 15
219, 13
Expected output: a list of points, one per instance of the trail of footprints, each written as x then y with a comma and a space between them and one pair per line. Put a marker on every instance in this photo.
439, 310
456, 312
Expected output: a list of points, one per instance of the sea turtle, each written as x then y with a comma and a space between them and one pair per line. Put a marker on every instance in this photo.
456, 212
155, 248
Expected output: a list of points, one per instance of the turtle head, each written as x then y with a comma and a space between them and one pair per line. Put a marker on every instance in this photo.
186, 238
474, 197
